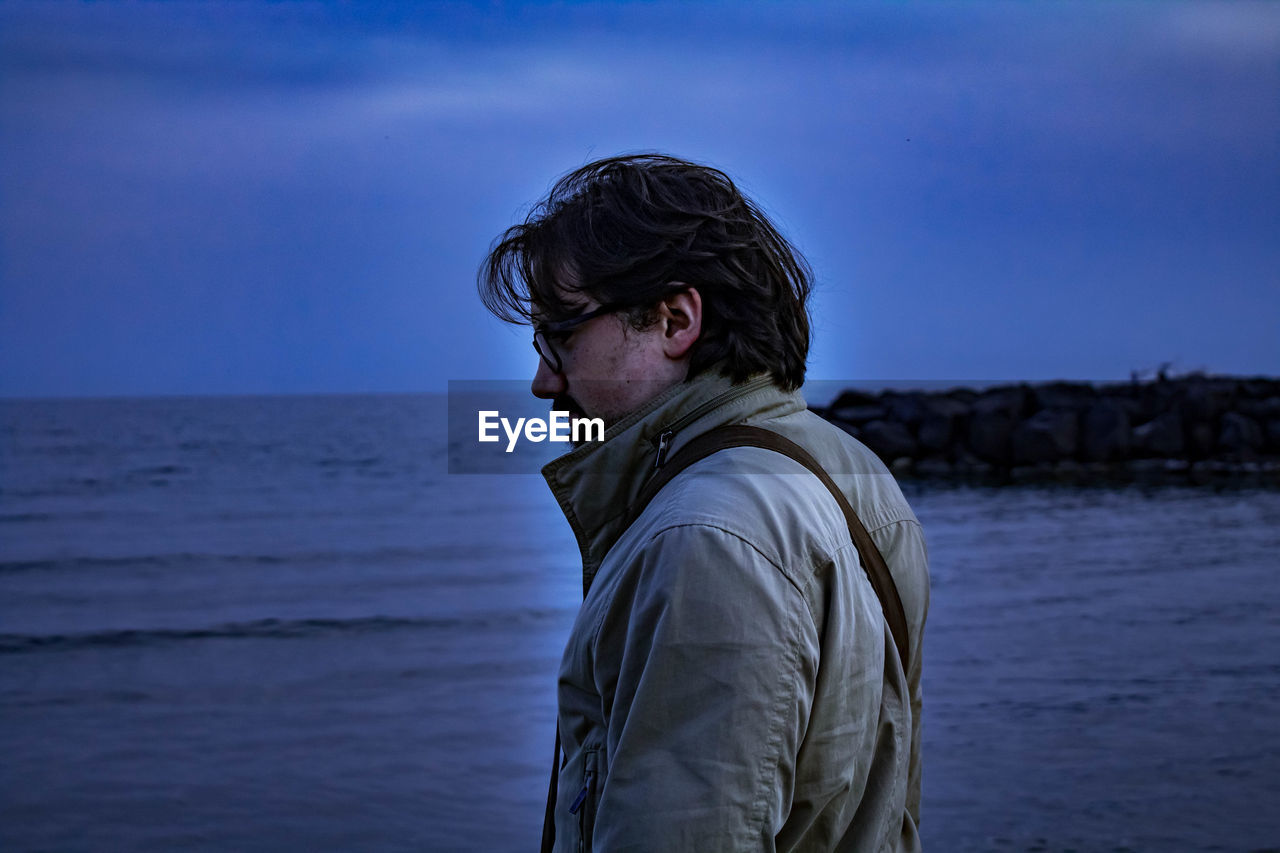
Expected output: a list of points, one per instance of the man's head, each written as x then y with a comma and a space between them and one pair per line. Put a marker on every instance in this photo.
685, 271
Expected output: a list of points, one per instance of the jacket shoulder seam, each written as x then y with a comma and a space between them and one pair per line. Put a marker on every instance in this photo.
799, 588
881, 523
711, 525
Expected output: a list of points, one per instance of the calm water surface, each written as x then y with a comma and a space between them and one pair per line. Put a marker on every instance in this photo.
278, 623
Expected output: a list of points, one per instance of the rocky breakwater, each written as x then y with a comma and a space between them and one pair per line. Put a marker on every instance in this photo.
1194, 428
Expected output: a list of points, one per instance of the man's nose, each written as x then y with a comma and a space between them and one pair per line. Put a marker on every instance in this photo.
547, 383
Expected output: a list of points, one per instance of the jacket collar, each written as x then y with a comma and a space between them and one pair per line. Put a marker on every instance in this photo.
596, 483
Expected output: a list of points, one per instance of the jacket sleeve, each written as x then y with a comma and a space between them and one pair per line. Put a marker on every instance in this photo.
708, 661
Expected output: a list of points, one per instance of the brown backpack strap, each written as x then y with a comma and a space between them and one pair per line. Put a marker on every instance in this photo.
549, 816
742, 435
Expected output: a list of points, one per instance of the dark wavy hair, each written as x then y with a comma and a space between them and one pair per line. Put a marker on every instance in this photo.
620, 230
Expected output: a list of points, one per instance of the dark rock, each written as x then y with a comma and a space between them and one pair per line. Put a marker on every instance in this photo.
1259, 388
907, 409
1068, 471
1031, 473
1118, 390
941, 424
989, 436
1075, 431
1207, 470
1133, 408
1157, 469
1156, 399
934, 466
1047, 436
1146, 467
1100, 470
1207, 399
1106, 431
969, 465
853, 397
889, 440
1161, 436
1240, 435
1012, 400
1065, 395
1261, 410
947, 407
1200, 439
936, 433
858, 414
994, 414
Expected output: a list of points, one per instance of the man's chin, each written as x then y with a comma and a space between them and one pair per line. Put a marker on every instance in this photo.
579, 421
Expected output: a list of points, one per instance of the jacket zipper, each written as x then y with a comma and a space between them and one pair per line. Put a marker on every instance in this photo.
664, 438
664, 444
578, 800
584, 804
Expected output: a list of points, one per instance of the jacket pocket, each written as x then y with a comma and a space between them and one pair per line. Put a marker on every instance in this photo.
584, 805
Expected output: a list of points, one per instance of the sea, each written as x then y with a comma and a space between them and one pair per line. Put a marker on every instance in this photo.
282, 623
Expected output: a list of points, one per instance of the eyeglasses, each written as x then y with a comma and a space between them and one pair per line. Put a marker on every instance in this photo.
544, 332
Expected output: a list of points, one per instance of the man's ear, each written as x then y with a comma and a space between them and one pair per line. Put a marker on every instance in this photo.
681, 317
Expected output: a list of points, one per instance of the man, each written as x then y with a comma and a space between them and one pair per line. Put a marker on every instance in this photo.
731, 681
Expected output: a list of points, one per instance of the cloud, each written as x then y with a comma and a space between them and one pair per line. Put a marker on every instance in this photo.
527, 84
1239, 30
323, 157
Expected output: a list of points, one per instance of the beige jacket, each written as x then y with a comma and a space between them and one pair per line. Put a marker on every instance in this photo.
730, 682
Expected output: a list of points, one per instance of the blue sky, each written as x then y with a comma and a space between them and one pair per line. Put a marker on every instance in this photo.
274, 198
